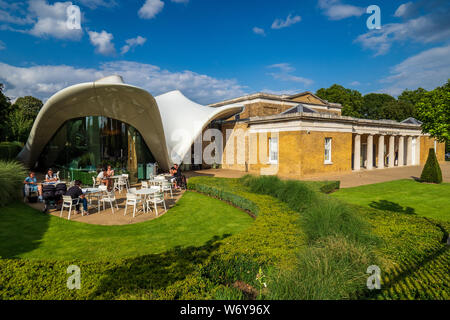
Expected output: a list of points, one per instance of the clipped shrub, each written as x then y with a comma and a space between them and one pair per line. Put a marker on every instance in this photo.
330, 186
431, 171
234, 199
12, 175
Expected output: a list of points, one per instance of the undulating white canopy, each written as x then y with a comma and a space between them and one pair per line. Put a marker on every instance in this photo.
168, 123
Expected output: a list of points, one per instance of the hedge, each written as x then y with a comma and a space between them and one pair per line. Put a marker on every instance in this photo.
207, 272
319, 262
9, 150
221, 194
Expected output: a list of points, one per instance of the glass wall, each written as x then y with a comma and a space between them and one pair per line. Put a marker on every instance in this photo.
90, 143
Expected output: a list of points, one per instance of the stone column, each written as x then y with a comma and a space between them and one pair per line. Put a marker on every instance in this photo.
409, 154
369, 155
401, 151
357, 153
391, 151
381, 151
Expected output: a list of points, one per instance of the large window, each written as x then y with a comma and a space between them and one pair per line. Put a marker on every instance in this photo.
90, 143
328, 150
273, 150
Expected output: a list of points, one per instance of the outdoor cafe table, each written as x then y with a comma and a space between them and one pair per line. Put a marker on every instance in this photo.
146, 192
93, 193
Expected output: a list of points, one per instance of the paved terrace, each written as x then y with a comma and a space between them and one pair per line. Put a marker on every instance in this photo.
348, 179
106, 217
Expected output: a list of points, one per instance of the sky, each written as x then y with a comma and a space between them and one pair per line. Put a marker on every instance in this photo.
213, 50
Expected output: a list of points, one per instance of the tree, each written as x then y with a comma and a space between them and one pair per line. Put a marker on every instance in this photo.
397, 110
433, 110
412, 96
21, 117
29, 106
351, 100
374, 105
19, 125
5, 106
431, 171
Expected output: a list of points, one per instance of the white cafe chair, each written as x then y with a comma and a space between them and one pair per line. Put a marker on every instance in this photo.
133, 200
68, 202
155, 199
109, 197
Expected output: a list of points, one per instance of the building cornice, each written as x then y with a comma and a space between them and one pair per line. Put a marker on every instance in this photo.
320, 117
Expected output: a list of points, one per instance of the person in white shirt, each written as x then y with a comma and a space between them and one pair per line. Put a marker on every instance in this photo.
102, 177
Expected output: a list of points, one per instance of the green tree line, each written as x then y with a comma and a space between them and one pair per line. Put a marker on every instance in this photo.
16, 119
430, 107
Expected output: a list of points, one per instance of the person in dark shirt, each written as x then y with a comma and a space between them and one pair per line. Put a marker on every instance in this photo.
177, 175
76, 192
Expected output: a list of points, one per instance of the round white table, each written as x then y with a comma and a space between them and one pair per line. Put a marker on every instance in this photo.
146, 192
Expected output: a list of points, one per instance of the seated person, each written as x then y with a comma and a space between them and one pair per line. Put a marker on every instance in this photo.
172, 172
75, 192
177, 175
30, 182
109, 171
50, 176
102, 178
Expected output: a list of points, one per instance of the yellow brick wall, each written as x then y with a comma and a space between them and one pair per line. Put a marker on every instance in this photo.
299, 153
260, 109
313, 155
425, 144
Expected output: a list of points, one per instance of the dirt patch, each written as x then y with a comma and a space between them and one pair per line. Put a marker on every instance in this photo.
249, 292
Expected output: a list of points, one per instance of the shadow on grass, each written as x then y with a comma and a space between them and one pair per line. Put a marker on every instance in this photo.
145, 274
21, 229
391, 206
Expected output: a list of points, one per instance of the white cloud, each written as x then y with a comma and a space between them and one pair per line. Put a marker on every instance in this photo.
52, 20
2, 45
355, 83
431, 27
180, 1
102, 42
150, 9
259, 31
404, 9
428, 69
289, 21
44, 81
284, 74
335, 10
133, 43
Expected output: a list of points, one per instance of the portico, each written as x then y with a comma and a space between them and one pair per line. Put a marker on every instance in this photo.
385, 149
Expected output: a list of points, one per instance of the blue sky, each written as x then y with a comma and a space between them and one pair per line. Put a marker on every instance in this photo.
214, 50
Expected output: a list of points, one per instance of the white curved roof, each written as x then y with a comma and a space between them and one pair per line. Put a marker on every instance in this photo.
184, 120
158, 121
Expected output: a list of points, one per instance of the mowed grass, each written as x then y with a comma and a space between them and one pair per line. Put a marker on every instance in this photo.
406, 196
196, 219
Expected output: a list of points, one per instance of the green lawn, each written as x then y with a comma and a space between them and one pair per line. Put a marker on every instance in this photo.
196, 219
407, 196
